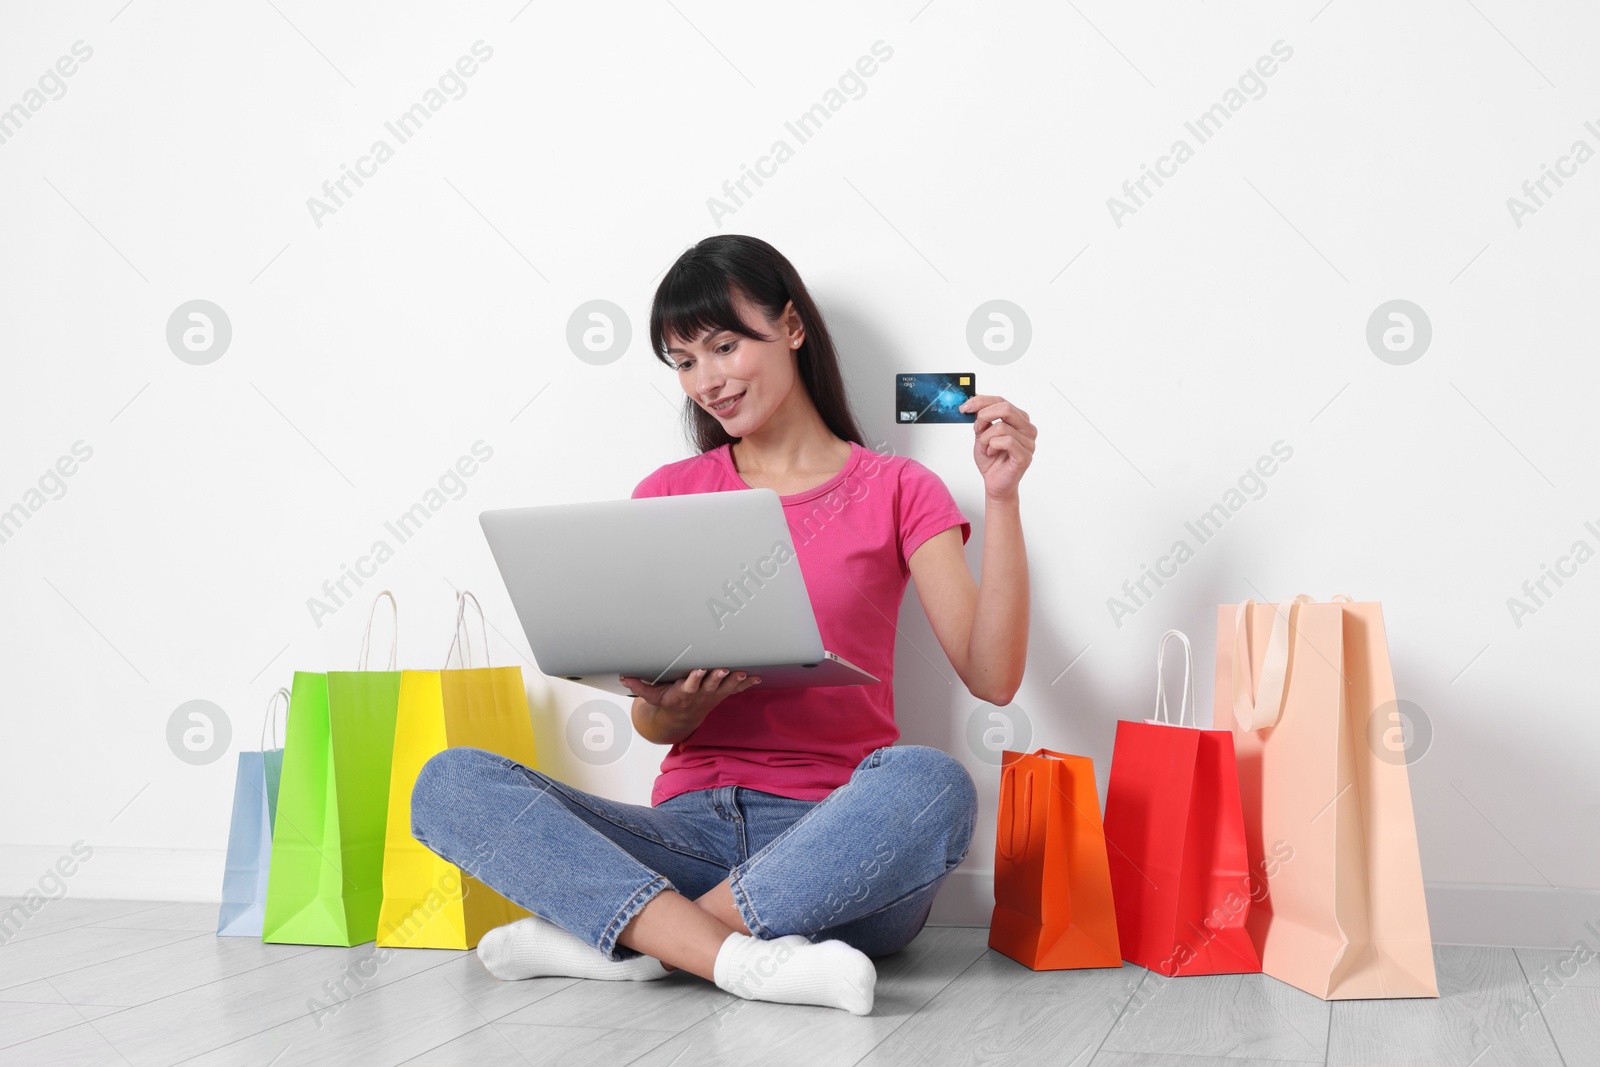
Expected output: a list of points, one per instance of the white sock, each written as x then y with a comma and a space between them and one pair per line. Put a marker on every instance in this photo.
537, 948
792, 970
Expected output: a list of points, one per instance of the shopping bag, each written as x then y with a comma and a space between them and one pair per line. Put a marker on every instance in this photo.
429, 902
1327, 799
1052, 888
325, 884
1175, 840
255, 803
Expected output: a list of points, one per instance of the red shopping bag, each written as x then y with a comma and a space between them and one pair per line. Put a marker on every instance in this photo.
1176, 844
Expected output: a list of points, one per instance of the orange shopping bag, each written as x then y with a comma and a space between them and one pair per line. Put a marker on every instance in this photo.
1052, 885
1311, 698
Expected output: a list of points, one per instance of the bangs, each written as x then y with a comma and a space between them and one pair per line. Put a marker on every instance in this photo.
695, 300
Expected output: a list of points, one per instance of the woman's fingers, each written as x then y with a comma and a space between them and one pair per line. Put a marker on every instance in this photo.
650, 694
717, 679
702, 680
722, 680
696, 681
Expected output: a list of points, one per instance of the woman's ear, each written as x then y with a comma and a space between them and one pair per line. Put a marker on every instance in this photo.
794, 328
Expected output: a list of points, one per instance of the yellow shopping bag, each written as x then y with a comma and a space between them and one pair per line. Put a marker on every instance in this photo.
429, 902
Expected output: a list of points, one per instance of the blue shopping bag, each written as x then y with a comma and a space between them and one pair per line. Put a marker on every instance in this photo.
255, 807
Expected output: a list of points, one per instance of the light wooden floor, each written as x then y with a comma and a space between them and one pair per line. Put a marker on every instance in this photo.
112, 982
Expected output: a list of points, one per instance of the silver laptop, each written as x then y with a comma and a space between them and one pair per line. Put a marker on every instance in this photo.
661, 586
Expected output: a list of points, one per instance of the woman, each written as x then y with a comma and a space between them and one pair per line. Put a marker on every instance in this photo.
788, 841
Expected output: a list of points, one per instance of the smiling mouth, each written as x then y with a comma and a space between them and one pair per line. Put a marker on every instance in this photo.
726, 406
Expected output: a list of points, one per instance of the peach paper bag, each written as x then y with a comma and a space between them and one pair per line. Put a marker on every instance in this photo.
1308, 691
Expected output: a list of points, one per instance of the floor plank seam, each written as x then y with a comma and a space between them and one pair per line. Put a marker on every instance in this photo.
1528, 982
921, 1007
550, 991
1120, 1013
258, 1033
666, 1036
157, 906
447, 1041
51, 1033
1292, 1028
97, 963
81, 925
90, 1023
117, 1009
285, 1022
1327, 1039
121, 1008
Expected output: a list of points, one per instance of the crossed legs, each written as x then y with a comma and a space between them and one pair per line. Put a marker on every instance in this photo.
922, 806
684, 933
864, 862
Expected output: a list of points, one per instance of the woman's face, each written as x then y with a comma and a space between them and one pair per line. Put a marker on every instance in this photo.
749, 378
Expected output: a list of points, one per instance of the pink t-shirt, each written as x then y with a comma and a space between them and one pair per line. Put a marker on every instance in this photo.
852, 535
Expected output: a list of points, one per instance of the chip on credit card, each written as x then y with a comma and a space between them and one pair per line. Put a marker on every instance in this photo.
932, 397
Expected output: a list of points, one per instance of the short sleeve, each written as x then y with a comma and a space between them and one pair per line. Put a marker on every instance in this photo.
925, 508
650, 486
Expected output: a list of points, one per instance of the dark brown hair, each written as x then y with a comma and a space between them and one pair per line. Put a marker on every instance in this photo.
696, 297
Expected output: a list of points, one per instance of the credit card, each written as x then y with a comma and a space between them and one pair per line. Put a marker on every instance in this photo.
932, 397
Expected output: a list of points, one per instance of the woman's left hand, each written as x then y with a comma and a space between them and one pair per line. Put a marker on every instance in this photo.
1002, 449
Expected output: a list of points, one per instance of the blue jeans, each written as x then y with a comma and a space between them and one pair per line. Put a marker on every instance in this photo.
861, 865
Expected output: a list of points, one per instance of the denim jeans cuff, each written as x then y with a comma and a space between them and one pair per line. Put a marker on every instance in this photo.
747, 910
608, 940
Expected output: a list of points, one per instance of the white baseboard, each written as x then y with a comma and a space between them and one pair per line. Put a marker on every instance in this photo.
1528, 916
112, 873
1459, 913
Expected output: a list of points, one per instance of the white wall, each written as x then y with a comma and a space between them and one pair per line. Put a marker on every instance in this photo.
1168, 353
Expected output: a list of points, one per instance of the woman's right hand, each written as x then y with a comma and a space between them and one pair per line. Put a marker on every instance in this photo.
696, 693
674, 710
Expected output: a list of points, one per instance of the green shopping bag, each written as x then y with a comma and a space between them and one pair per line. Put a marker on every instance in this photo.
325, 882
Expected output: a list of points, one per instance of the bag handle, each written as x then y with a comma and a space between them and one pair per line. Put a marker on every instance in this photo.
463, 635
272, 711
366, 638
1009, 779
1162, 713
1267, 705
